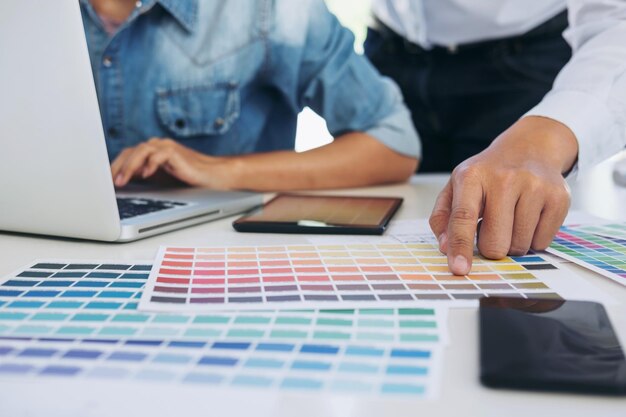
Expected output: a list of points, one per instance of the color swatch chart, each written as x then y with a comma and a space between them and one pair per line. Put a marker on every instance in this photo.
616, 230
321, 276
80, 320
602, 254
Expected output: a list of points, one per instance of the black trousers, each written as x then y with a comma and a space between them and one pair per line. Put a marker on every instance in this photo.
463, 99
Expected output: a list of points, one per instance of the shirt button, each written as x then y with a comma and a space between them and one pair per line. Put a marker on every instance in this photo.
219, 123
139, 4
107, 61
180, 123
112, 132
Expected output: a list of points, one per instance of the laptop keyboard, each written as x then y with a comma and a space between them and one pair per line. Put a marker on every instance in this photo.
133, 207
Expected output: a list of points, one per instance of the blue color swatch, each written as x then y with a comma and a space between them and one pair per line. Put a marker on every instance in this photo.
78, 320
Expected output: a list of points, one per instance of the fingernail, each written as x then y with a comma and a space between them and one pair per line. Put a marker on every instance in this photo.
460, 265
443, 240
118, 180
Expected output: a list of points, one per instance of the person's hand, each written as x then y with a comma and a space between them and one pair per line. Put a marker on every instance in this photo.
516, 186
146, 159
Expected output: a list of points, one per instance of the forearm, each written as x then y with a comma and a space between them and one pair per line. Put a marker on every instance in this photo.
352, 160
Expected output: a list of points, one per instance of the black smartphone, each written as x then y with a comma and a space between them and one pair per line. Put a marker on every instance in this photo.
317, 214
550, 345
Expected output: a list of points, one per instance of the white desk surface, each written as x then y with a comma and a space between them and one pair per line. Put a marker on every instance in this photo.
461, 393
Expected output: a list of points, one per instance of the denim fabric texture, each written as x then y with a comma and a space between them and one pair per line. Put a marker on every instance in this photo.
230, 77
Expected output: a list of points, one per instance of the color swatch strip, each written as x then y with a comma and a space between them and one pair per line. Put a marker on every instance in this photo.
318, 276
69, 319
343, 368
615, 230
603, 254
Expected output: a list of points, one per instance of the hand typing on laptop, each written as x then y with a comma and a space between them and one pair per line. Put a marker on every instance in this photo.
146, 159
330, 166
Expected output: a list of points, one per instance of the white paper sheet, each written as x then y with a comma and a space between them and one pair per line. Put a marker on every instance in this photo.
67, 320
403, 268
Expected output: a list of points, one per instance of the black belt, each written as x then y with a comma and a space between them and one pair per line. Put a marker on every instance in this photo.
553, 26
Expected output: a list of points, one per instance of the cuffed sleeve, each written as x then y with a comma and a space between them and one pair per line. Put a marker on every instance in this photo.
591, 121
589, 95
396, 130
346, 90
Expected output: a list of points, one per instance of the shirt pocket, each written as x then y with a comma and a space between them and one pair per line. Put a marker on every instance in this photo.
201, 111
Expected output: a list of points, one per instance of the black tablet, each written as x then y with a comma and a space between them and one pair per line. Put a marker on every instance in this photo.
550, 345
315, 214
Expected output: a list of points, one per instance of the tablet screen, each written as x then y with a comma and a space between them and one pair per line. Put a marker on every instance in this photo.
549, 344
321, 214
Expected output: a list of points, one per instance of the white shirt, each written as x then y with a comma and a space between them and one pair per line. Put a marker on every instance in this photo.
588, 96
453, 22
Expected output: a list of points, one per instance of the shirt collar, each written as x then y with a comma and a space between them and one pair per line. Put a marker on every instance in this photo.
184, 11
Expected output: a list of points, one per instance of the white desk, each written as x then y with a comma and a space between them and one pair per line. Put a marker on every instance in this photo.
461, 392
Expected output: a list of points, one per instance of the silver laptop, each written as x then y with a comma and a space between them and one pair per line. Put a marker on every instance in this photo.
54, 170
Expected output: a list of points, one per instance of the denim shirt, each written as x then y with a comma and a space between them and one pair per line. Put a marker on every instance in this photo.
230, 77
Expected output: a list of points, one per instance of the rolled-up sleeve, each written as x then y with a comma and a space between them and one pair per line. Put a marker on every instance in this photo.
589, 95
345, 89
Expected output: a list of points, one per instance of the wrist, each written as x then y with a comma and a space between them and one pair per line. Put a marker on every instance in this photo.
232, 168
541, 139
218, 173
